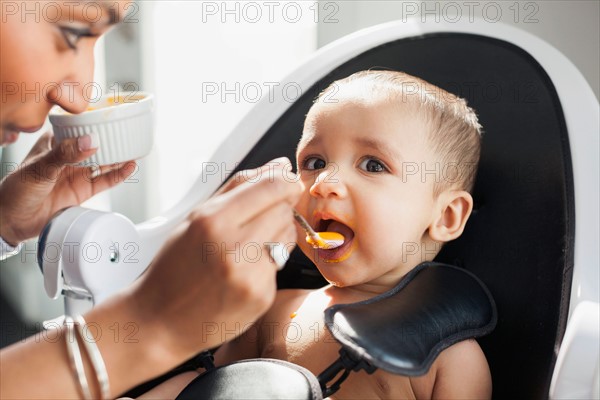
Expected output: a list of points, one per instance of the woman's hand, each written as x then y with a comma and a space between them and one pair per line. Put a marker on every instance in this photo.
215, 275
47, 182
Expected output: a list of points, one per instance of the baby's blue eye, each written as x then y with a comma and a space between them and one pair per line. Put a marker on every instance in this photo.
314, 163
372, 165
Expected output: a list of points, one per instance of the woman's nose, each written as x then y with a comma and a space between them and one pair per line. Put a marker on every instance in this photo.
76, 90
329, 184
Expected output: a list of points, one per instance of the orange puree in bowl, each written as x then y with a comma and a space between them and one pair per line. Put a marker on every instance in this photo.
124, 99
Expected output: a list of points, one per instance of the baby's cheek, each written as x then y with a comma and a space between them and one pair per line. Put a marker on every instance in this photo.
386, 238
304, 186
305, 197
385, 246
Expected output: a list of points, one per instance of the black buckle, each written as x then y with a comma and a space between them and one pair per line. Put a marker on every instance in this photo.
347, 363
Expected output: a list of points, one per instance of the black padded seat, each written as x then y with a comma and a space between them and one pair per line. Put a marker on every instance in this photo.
519, 241
259, 379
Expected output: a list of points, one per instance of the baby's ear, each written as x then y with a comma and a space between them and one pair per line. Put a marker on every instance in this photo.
451, 213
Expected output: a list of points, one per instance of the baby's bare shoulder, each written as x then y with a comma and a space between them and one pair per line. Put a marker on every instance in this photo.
463, 362
466, 353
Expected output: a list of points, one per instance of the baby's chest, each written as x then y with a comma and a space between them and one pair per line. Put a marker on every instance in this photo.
300, 340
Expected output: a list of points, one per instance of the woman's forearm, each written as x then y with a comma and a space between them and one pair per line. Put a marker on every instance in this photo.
37, 368
40, 368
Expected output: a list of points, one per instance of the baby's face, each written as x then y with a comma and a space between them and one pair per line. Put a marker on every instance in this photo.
357, 164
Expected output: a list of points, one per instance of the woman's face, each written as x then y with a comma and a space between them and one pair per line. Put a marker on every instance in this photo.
47, 58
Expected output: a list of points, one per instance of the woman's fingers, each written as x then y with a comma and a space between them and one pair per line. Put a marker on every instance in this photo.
280, 248
250, 199
255, 214
252, 175
109, 176
73, 150
271, 224
47, 161
268, 237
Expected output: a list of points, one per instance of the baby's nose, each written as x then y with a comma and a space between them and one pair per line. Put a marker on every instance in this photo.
328, 183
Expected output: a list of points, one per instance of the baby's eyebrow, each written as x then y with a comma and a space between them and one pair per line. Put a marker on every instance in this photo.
308, 140
380, 147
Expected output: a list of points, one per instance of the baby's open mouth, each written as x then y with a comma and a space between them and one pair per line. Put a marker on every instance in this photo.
338, 253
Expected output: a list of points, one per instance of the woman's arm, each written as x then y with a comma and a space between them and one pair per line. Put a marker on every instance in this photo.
39, 367
243, 347
176, 302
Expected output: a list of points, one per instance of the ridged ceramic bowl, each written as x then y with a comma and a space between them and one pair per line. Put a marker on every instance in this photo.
124, 125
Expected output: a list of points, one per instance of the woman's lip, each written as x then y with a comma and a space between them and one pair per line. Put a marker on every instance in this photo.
24, 129
31, 129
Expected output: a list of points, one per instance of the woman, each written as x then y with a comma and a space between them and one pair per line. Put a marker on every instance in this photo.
48, 46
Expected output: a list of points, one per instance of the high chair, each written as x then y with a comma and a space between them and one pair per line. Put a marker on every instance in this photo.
533, 236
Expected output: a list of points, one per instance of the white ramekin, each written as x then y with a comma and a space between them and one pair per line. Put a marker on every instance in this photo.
124, 126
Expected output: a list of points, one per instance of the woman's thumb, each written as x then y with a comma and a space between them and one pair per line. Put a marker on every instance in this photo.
73, 150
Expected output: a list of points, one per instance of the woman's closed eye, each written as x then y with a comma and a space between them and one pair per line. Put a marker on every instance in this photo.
373, 165
73, 35
313, 163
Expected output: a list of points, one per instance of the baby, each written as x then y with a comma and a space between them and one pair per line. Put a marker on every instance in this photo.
387, 160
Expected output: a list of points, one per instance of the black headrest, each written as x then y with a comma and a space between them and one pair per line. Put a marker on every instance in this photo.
519, 240
404, 329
